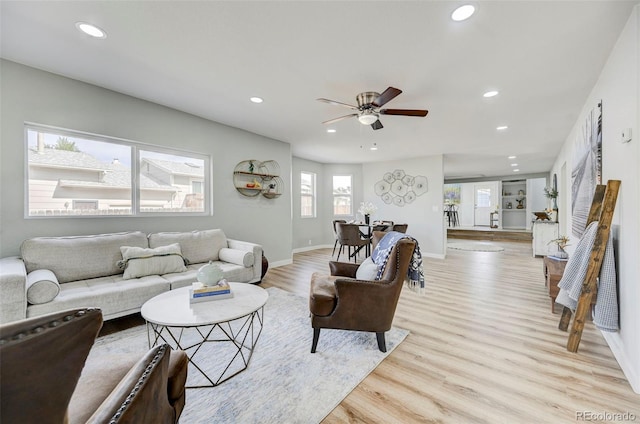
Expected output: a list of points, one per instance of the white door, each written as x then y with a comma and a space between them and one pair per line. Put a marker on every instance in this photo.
483, 204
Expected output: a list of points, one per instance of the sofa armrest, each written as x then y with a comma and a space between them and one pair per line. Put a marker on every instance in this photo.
257, 255
13, 289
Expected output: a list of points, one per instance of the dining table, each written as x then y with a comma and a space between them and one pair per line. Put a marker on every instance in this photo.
366, 232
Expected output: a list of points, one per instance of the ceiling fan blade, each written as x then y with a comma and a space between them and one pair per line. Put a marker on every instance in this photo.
333, 102
404, 112
388, 95
377, 125
331, 121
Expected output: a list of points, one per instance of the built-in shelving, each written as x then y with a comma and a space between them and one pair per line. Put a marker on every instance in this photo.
513, 203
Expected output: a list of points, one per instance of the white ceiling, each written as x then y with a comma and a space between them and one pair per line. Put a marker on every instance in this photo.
208, 57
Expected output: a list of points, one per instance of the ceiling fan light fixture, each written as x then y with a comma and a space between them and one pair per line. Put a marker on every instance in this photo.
367, 117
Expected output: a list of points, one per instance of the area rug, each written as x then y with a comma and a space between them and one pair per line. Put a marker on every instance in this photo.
475, 246
284, 382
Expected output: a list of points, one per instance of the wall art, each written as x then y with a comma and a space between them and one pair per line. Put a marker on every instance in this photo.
399, 189
587, 169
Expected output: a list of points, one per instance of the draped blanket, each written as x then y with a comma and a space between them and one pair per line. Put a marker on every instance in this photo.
380, 256
605, 315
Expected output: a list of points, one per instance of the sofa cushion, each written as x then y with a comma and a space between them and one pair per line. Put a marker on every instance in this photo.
235, 256
197, 246
42, 286
139, 262
114, 295
79, 257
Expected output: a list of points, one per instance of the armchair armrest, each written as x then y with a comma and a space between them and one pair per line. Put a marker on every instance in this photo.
257, 255
13, 289
141, 396
343, 269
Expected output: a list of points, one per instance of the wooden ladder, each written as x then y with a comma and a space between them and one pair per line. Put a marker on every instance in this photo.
602, 208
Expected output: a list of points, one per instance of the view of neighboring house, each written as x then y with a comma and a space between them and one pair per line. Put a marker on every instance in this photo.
76, 183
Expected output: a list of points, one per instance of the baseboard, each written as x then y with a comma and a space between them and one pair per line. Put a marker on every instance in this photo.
613, 340
307, 248
280, 263
433, 255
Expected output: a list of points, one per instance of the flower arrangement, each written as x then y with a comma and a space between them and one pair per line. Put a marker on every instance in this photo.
550, 193
367, 208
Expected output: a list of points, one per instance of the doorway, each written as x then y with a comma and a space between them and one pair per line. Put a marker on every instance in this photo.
483, 204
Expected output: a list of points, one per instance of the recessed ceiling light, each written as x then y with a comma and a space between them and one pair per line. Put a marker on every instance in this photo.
331, 130
516, 170
511, 157
491, 93
502, 128
514, 164
463, 12
256, 99
91, 30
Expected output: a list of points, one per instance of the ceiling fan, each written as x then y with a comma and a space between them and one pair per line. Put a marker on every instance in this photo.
368, 109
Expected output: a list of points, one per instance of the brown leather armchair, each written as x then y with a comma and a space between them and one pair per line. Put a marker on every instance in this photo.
339, 301
45, 376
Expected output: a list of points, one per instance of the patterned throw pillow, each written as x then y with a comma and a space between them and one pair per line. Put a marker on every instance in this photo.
140, 262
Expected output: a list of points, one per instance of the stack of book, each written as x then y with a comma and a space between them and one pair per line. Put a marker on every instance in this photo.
201, 293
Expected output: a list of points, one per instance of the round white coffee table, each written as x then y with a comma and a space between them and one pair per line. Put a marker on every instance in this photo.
237, 322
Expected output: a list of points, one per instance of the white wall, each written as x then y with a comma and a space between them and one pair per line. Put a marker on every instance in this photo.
32, 95
619, 89
424, 215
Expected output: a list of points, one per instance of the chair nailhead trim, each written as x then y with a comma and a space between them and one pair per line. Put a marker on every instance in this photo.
139, 384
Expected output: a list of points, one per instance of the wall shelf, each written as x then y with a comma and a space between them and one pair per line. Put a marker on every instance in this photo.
252, 177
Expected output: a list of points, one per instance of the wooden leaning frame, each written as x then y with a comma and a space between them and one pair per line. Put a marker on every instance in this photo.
602, 208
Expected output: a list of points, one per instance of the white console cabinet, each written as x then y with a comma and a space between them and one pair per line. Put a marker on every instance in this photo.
543, 233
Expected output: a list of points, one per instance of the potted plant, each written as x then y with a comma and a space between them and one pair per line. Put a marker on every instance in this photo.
561, 242
551, 193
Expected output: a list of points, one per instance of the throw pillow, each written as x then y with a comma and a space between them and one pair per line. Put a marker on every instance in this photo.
42, 286
367, 270
235, 256
140, 262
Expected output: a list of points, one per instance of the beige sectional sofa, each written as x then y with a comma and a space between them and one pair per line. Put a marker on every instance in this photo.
115, 272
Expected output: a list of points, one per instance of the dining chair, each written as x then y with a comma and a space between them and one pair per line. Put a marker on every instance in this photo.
401, 228
335, 234
349, 235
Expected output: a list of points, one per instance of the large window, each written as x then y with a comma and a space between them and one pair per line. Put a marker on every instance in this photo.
342, 195
307, 195
77, 174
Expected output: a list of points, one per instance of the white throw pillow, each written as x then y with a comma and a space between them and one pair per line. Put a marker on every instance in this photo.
367, 270
140, 262
236, 256
42, 286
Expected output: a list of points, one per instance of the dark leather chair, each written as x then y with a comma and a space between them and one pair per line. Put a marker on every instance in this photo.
349, 235
339, 301
45, 376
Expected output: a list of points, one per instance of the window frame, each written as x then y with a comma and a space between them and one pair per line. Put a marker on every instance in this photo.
333, 196
313, 195
135, 148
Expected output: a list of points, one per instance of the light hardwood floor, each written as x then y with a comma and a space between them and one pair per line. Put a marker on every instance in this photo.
483, 348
